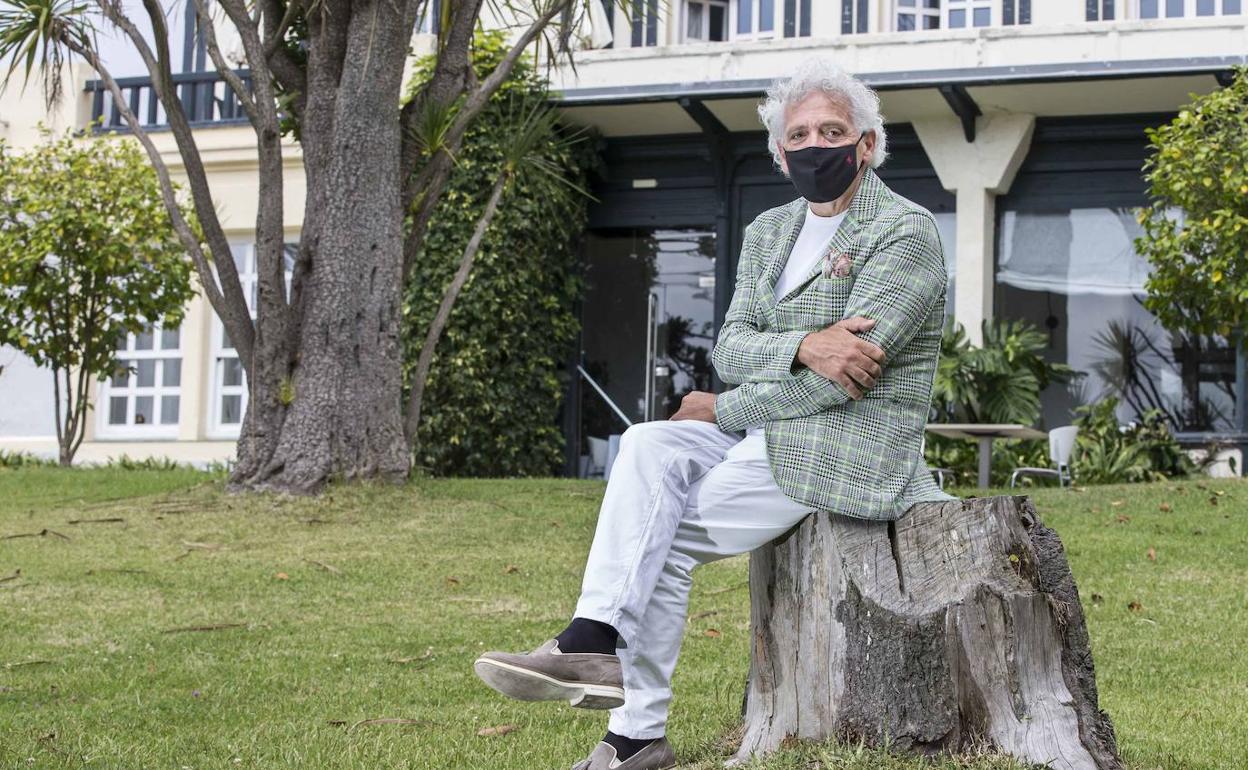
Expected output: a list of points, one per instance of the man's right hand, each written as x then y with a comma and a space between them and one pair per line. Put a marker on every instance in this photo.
838, 354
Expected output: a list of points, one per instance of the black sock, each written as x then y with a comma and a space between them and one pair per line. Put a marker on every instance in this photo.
626, 747
585, 635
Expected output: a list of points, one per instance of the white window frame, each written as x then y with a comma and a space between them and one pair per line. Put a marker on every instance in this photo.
970, 6
919, 11
1189, 10
106, 391
245, 262
777, 21
705, 30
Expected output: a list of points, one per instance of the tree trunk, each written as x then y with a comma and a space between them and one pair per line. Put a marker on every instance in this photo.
956, 627
338, 414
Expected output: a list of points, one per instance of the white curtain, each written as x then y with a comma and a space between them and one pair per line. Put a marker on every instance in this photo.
1080, 251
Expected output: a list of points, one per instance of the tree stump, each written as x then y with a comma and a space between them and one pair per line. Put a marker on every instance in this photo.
958, 626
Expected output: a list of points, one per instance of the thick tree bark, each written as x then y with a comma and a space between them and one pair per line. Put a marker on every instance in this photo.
338, 413
955, 627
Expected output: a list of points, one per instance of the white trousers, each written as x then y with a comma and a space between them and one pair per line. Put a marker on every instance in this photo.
681, 493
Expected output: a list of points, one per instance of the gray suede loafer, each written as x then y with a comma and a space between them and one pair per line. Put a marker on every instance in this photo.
656, 756
588, 680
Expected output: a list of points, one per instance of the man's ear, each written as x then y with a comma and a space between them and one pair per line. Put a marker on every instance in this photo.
868, 146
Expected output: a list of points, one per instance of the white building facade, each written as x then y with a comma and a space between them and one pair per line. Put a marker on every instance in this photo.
1020, 125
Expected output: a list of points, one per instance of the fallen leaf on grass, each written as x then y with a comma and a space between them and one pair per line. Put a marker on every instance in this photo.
428, 654
213, 627
1097, 598
1122, 518
451, 580
41, 533
486, 732
21, 663
1152, 554
1135, 606
1117, 503
510, 569
281, 576
705, 614
1213, 499
712, 633
1165, 508
385, 721
327, 567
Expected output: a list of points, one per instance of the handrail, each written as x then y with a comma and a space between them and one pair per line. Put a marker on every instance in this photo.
619, 412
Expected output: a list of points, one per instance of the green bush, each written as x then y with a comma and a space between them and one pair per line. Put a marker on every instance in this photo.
1145, 450
492, 398
999, 382
13, 460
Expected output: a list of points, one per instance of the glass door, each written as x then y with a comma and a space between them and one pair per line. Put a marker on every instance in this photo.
647, 325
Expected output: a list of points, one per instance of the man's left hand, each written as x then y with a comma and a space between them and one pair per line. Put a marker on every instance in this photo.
696, 405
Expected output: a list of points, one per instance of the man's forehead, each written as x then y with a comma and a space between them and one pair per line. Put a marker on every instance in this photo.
816, 108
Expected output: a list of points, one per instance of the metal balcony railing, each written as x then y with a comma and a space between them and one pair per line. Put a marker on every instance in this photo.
205, 97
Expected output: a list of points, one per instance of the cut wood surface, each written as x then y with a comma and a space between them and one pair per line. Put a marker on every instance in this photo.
954, 628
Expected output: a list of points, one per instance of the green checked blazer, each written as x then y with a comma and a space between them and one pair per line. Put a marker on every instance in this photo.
858, 458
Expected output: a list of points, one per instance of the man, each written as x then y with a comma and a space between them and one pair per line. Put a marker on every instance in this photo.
832, 339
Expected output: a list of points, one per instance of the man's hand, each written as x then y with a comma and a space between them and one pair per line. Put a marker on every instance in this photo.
838, 354
696, 405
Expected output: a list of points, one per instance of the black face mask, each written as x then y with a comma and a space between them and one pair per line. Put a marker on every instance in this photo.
823, 174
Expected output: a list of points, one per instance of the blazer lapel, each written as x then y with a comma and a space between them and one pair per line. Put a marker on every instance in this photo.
778, 255
861, 209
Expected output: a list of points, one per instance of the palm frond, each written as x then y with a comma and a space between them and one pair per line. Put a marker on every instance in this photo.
43, 35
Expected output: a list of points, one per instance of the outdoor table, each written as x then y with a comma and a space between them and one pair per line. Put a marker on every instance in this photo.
984, 433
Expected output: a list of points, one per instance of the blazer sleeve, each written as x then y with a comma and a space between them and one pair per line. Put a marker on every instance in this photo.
743, 353
898, 286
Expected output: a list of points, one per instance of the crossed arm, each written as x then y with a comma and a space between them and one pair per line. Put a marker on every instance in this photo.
897, 287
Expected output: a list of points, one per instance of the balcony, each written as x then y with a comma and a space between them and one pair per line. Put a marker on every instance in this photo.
205, 97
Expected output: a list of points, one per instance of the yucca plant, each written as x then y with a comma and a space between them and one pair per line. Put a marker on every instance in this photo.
1000, 381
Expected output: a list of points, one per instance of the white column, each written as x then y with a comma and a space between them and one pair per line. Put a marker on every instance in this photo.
196, 350
976, 172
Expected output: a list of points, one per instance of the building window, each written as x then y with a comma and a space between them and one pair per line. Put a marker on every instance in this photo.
917, 15
968, 13
706, 20
854, 16
755, 18
797, 18
229, 382
1100, 10
1178, 9
142, 398
645, 23
1074, 274
1016, 12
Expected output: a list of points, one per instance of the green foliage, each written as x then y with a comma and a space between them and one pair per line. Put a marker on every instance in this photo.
1001, 381
87, 254
1199, 281
128, 463
493, 393
1106, 453
14, 460
35, 36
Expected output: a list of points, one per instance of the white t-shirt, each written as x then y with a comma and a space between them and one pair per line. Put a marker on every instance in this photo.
812, 242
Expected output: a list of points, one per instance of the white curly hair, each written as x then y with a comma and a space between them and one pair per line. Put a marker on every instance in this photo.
822, 74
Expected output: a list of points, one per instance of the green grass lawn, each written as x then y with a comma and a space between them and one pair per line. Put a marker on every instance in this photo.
371, 603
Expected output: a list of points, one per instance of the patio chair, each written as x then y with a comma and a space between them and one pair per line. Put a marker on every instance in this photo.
938, 473
1061, 445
